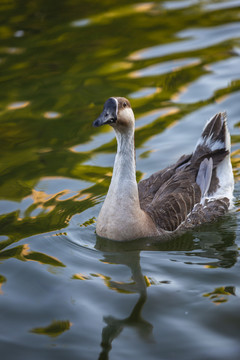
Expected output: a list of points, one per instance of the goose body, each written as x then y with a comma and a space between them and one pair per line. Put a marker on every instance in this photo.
198, 188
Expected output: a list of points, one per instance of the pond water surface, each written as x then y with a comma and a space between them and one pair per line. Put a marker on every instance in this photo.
64, 294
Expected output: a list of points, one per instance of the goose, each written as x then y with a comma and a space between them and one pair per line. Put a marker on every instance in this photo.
197, 189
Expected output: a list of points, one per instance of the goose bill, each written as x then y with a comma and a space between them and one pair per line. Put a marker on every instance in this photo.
109, 114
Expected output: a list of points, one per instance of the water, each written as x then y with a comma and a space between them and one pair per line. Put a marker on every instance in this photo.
63, 292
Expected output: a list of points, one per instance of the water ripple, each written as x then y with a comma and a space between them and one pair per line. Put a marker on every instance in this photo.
222, 73
144, 92
222, 5
199, 38
174, 5
165, 67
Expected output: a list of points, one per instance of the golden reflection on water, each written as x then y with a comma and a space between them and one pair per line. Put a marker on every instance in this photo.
222, 98
41, 196
2, 281
181, 91
55, 329
144, 6
122, 11
80, 276
139, 282
40, 199
46, 203
221, 294
89, 222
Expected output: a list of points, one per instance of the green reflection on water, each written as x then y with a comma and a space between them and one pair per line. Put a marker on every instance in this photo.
22, 252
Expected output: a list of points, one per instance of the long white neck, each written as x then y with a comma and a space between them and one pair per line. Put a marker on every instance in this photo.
124, 185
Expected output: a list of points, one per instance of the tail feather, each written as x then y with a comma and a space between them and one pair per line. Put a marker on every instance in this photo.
215, 129
215, 135
214, 143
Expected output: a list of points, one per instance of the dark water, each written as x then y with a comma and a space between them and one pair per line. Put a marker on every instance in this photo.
64, 293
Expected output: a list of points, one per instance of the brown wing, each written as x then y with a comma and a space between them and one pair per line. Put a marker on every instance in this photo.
174, 200
148, 188
172, 197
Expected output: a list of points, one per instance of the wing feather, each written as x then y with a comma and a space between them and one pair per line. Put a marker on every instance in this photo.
207, 212
149, 187
174, 201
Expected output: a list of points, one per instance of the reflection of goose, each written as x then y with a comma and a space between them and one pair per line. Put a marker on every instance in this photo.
115, 327
135, 321
197, 189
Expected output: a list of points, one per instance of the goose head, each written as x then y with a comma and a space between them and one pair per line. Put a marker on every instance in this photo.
118, 113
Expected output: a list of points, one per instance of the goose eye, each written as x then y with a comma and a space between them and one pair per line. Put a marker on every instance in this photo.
124, 104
